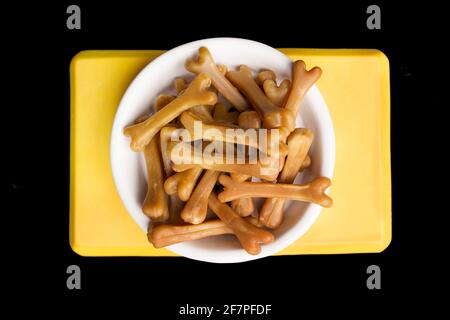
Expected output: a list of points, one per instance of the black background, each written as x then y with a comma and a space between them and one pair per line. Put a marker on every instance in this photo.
36, 58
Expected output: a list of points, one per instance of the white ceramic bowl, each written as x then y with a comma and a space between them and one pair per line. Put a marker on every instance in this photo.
128, 167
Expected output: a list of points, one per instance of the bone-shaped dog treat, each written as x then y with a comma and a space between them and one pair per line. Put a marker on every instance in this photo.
195, 94
162, 235
206, 64
155, 203
182, 183
229, 133
250, 236
302, 80
265, 170
299, 142
165, 235
265, 75
313, 191
271, 115
195, 210
222, 114
276, 93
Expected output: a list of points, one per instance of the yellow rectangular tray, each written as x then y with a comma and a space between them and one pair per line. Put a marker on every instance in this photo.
355, 85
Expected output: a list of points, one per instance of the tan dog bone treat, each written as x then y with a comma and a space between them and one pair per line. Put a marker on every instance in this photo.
195, 210
313, 191
206, 64
155, 203
222, 114
163, 100
249, 236
302, 81
267, 170
183, 183
271, 115
265, 75
249, 119
276, 93
195, 94
231, 134
299, 142
165, 235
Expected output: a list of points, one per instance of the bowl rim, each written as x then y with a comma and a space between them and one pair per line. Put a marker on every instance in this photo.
311, 212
